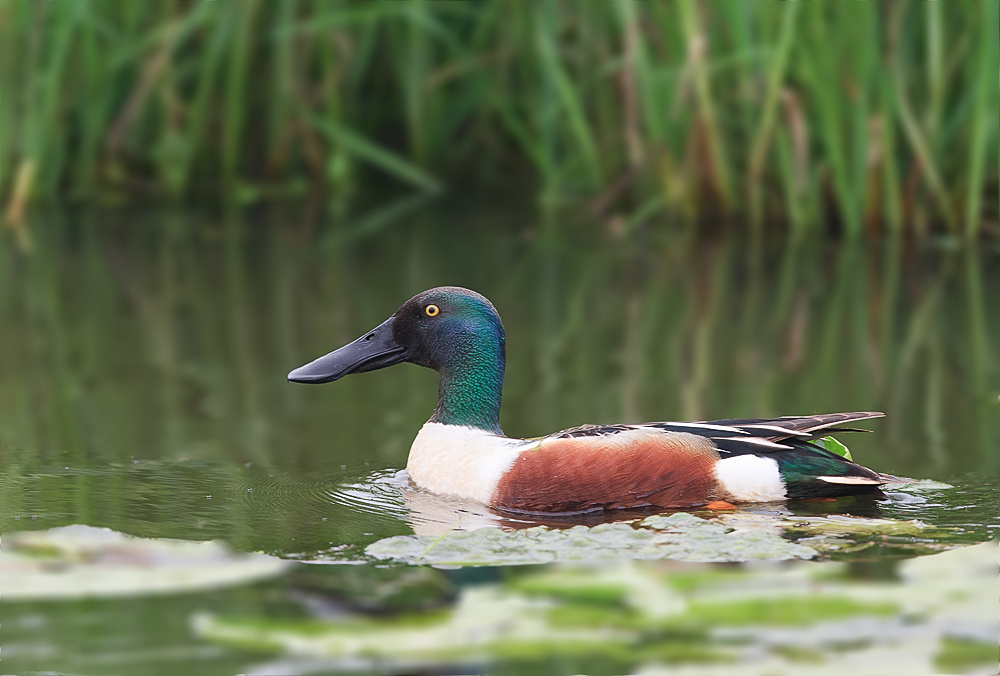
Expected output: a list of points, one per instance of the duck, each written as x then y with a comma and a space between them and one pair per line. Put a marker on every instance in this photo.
461, 450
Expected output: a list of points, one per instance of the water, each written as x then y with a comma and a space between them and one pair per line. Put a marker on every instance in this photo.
143, 390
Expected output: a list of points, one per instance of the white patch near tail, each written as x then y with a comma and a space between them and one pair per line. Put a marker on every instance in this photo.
750, 478
852, 480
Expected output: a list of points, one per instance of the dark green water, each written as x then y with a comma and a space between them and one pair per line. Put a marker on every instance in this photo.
142, 382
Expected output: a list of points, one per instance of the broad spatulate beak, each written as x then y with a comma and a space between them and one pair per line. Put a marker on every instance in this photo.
374, 350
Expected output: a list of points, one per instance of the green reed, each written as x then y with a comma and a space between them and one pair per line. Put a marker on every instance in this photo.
871, 116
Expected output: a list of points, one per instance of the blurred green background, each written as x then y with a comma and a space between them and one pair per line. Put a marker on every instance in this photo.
817, 116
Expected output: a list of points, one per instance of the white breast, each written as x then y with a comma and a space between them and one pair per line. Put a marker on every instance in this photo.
462, 461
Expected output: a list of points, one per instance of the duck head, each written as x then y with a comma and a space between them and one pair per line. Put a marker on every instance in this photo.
455, 331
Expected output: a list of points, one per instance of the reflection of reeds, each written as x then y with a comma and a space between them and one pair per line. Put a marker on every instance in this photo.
871, 115
174, 342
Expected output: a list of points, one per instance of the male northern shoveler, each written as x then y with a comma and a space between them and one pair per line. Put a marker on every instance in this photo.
462, 451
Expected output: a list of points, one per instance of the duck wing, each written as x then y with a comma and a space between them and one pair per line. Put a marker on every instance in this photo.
741, 435
807, 468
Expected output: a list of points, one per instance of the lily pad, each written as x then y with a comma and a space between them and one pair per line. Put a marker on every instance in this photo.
630, 617
856, 525
679, 536
84, 561
839, 535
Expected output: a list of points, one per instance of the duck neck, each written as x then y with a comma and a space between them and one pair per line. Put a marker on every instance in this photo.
470, 393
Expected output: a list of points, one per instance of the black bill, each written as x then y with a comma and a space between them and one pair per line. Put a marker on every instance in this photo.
374, 350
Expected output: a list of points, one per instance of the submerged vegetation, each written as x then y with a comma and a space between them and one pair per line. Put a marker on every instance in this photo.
870, 116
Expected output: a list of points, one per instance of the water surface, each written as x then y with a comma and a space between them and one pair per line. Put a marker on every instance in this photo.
142, 387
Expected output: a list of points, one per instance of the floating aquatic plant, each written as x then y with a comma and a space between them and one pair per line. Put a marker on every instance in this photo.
782, 620
679, 536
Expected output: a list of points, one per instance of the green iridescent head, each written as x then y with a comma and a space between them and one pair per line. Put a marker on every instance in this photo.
455, 331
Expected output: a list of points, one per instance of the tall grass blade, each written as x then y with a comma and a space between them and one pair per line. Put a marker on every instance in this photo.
697, 47
370, 152
775, 74
985, 107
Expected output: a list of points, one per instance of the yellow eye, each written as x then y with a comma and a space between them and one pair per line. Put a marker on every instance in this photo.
432, 310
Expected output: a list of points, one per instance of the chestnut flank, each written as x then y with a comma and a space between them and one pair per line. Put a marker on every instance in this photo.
636, 468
